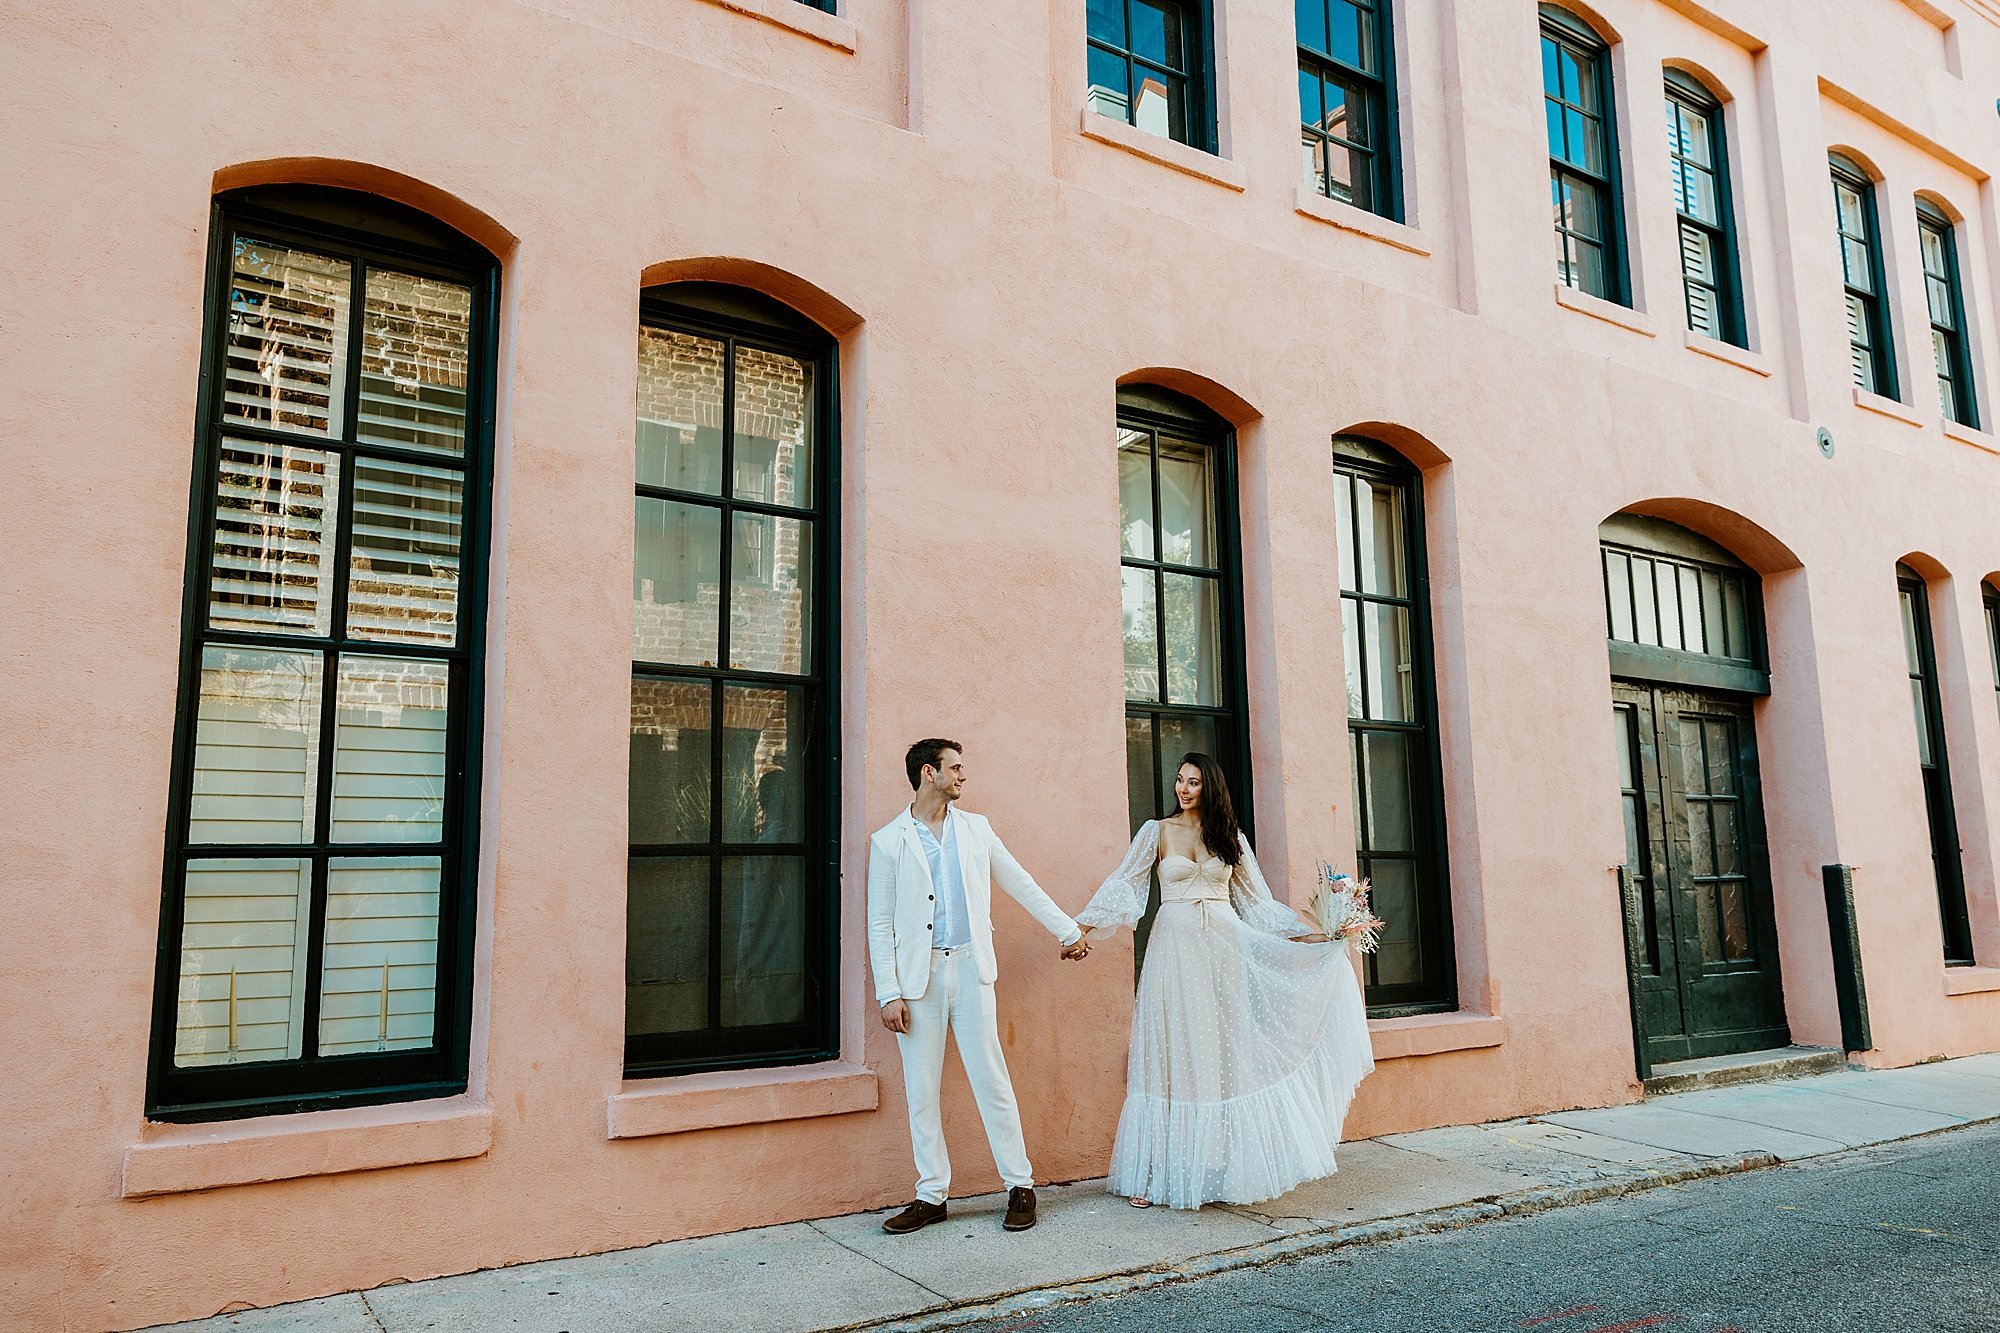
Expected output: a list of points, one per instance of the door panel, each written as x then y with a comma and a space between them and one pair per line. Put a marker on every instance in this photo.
1705, 967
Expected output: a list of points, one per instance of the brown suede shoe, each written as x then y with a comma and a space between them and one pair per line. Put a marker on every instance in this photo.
920, 1215
1020, 1208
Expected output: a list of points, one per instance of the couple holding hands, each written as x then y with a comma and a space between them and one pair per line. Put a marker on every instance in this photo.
1249, 1035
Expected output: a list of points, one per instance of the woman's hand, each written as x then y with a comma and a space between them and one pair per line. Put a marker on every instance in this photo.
1315, 938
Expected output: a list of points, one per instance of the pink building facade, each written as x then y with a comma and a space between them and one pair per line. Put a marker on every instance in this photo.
440, 793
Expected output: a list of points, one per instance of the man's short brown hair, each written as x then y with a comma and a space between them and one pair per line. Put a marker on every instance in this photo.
927, 753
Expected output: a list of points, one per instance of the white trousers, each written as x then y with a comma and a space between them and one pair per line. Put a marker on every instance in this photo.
956, 998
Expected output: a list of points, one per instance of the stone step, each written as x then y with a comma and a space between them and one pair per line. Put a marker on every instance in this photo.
1720, 1071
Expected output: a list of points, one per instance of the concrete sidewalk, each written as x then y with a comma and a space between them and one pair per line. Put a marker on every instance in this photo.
845, 1272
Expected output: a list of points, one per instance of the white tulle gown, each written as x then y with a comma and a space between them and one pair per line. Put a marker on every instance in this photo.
1246, 1046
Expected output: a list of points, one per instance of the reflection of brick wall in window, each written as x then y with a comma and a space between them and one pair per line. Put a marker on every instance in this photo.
772, 393
668, 709
680, 378
415, 332
414, 337
765, 629
389, 685
681, 630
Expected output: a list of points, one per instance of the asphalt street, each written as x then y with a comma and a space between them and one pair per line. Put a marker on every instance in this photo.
1903, 1238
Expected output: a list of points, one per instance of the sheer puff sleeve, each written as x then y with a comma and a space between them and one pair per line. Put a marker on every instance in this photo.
1251, 897
1121, 899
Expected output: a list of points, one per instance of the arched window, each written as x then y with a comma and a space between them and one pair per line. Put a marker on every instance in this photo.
1392, 724
322, 830
1950, 348
1699, 158
1920, 653
734, 855
1870, 338
1583, 157
1990, 596
1183, 597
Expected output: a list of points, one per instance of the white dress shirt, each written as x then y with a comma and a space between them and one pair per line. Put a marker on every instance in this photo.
951, 922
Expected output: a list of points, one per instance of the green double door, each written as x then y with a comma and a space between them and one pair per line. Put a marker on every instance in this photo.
1701, 938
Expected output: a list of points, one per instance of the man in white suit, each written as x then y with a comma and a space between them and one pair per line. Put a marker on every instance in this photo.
931, 872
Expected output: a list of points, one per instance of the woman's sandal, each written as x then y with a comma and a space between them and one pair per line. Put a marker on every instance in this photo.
1137, 1202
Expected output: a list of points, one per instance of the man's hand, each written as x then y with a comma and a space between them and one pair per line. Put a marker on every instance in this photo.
896, 1016
1077, 951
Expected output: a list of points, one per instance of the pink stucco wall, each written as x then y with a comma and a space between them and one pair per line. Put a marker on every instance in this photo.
916, 176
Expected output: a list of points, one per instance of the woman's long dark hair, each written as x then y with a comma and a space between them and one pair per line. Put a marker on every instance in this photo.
1219, 829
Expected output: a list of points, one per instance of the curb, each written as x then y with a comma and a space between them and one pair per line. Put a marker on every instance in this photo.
1302, 1243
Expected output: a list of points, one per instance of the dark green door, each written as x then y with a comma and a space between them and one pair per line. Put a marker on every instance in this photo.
1701, 936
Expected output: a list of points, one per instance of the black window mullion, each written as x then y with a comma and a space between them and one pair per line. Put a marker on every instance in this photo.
770, 507
357, 307
331, 657
718, 691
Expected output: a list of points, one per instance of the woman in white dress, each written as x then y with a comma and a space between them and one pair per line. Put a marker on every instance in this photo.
1249, 1036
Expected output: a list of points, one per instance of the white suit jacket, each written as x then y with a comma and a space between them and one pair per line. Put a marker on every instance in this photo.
902, 903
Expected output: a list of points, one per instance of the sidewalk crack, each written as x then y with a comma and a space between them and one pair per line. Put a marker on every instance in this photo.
873, 1260
373, 1318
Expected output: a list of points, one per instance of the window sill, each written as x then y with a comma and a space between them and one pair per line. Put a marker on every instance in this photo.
1971, 980
643, 1108
1599, 308
1189, 161
817, 24
1971, 435
1726, 352
1884, 407
1360, 221
1434, 1034
181, 1159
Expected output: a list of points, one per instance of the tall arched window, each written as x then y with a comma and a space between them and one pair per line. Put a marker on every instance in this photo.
1583, 157
734, 855
1871, 341
1183, 597
1392, 724
1920, 652
1698, 157
1989, 595
1937, 239
315, 945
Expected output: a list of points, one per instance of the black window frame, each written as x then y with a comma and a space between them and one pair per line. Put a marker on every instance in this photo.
1157, 411
743, 317
1724, 595
1567, 32
369, 232
1989, 597
1880, 352
1374, 89
1727, 291
1198, 108
1160, 411
1437, 990
1958, 396
1941, 815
